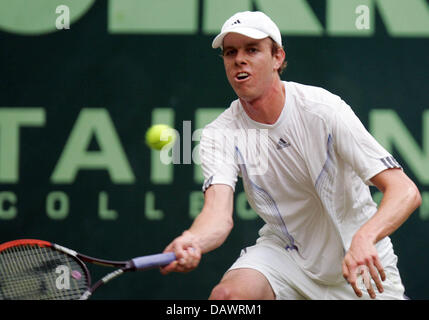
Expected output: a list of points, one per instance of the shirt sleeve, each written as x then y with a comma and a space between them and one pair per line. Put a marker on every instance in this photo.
358, 147
218, 161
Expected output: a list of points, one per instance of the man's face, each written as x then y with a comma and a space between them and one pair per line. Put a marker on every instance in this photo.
250, 67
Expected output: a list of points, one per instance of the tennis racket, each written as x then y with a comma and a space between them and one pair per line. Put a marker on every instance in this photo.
40, 270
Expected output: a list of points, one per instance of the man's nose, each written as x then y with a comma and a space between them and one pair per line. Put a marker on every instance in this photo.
240, 58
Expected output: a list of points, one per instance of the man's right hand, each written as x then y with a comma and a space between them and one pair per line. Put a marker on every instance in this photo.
208, 231
188, 254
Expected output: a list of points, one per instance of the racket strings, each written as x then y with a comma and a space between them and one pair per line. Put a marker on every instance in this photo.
30, 272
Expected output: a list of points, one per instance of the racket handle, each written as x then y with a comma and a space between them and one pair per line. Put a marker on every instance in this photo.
153, 261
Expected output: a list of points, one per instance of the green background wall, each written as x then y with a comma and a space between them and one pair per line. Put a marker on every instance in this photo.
75, 105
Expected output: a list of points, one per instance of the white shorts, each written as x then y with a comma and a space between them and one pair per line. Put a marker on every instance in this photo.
289, 282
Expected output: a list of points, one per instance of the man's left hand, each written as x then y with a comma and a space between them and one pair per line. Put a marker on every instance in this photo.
362, 258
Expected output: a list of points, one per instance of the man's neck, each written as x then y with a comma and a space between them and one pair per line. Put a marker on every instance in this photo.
267, 108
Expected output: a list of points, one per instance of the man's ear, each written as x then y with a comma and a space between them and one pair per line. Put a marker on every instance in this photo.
280, 56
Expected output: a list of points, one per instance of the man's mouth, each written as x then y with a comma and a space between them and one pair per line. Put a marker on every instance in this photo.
242, 76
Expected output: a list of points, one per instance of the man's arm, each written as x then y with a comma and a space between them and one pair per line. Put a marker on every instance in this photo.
208, 231
400, 198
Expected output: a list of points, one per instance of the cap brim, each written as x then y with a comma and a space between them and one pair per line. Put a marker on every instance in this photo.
248, 32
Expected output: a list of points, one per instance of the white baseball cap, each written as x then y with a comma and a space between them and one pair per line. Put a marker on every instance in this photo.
252, 24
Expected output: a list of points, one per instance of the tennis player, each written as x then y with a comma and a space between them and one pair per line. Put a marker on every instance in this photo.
306, 173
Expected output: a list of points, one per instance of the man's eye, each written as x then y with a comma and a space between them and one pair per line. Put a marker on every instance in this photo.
252, 50
228, 52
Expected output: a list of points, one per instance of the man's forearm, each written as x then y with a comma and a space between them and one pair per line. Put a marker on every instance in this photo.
396, 206
210, 230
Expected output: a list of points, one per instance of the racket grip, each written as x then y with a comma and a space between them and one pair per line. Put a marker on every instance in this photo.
153, 261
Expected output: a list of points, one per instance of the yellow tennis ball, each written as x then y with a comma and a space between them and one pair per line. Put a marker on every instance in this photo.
159, 136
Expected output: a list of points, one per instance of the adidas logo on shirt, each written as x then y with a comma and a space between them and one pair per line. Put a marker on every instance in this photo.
282, 144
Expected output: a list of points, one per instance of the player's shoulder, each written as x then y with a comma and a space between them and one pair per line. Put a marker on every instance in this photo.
221, 128
227, 119
314, 100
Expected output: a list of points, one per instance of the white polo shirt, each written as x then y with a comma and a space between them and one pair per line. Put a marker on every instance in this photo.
306, 175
